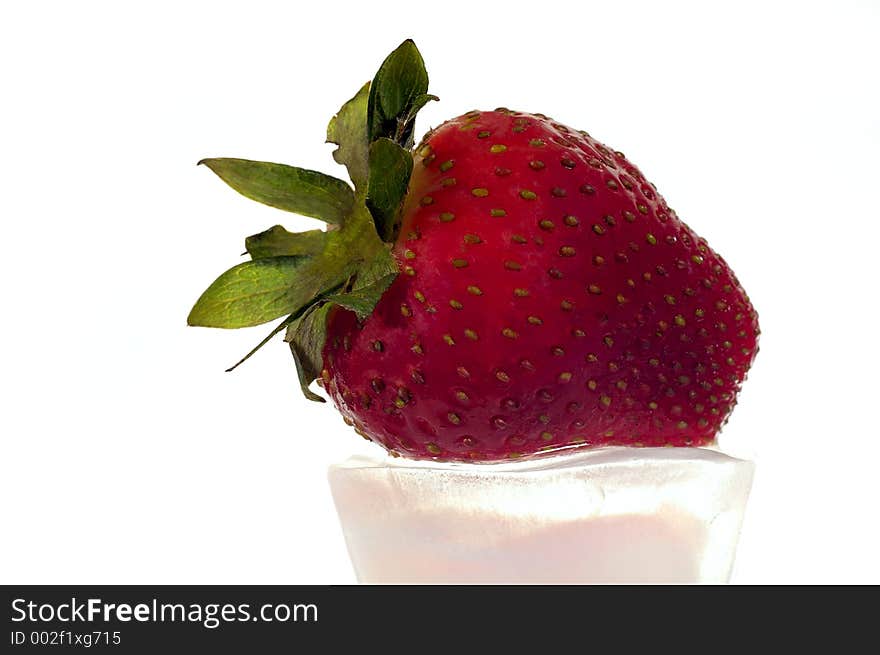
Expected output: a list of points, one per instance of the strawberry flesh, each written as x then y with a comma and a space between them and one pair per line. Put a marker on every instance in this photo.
549, 299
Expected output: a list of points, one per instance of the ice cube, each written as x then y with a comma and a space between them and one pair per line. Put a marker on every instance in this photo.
611, 515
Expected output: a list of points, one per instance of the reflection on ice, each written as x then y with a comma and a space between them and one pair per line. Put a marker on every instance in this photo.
608, 515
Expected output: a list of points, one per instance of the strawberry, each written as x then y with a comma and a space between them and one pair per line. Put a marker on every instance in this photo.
509, 287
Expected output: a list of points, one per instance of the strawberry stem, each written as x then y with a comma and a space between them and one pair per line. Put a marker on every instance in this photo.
349, 265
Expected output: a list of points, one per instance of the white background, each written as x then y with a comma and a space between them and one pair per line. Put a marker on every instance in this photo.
129, 456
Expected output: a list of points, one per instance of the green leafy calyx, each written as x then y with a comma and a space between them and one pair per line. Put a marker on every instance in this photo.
299, 277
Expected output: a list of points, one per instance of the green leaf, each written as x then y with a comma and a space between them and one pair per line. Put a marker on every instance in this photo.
400, 81
390, 169
306, 335
380, 265
348, 130
277, 242
249, 294
363, 301
404, 134
292, 189
366, 288
418, 103
307, 332
262, 290
372, 280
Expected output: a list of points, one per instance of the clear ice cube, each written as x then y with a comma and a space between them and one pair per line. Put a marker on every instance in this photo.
612, 515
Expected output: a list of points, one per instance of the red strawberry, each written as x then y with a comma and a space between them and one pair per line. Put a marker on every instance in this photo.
549, 299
